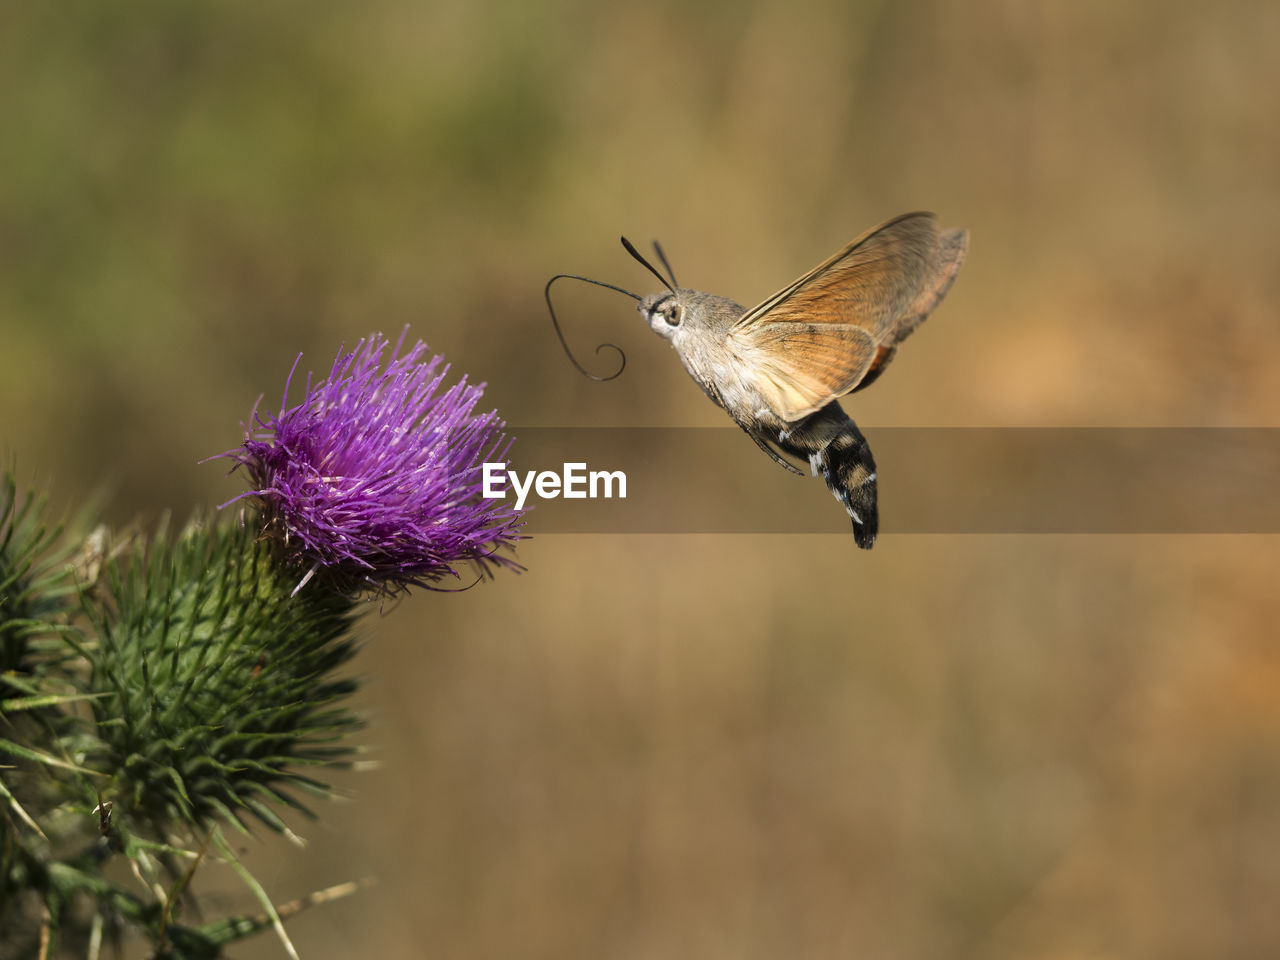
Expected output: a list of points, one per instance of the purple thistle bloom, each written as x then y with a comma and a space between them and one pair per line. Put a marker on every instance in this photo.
374, 479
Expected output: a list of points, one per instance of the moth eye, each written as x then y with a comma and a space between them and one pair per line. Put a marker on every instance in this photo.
673, 314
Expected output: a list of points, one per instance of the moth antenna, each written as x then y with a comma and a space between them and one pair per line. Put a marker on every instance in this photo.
647, 265
565, 344
657, 248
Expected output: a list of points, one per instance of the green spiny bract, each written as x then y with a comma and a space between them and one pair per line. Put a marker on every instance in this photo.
186, 688
34, 587
34, 601
217, 685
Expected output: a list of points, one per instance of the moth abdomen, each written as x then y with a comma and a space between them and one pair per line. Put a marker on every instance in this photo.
836, 449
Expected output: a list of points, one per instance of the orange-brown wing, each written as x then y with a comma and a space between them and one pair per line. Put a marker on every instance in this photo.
801, 367
815, 339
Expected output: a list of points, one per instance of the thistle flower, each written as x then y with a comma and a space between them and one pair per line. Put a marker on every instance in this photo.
374, 479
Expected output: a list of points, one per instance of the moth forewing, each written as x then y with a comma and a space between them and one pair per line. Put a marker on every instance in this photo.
867, 283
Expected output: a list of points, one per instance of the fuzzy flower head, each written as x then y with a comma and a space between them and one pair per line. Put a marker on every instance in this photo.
374, 479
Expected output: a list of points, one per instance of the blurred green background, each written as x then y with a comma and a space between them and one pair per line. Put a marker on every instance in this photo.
710, 746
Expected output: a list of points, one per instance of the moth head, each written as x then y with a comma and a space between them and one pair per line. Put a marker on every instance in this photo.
664, 311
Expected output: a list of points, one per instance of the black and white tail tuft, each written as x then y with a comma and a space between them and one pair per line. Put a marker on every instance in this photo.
850, 471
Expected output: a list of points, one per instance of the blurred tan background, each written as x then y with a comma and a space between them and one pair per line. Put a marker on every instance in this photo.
710, 746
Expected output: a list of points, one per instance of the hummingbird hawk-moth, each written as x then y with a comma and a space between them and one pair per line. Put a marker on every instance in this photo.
780, 368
